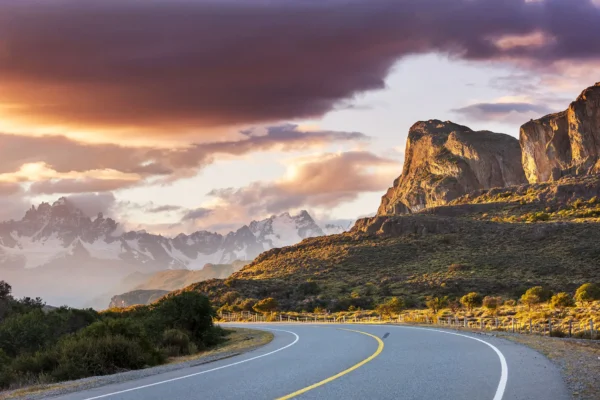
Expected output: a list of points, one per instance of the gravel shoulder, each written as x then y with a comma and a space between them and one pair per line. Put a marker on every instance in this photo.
240, 341
579, 361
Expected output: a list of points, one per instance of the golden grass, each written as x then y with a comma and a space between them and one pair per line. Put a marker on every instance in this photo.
238, 341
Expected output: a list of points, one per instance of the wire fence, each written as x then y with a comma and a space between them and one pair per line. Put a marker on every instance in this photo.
584, 329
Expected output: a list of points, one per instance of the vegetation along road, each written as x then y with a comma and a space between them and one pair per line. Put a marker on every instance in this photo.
361, 362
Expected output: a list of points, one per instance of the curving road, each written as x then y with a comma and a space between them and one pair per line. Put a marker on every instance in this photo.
357, 362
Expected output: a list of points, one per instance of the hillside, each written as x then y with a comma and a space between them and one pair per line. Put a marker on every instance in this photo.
498, 238
428, 253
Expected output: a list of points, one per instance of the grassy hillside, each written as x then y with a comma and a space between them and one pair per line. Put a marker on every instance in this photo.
473, 245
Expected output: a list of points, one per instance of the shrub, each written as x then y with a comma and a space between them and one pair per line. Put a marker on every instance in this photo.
492, 303
535, 296
391, 306
266, 305
187, 311
175, 343
79, 357
471, 300
510, 303
561, 300
457, 268
436, 303
587, 292
247, 304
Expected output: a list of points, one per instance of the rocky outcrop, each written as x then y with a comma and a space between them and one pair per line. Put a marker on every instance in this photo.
445, 160
565, 143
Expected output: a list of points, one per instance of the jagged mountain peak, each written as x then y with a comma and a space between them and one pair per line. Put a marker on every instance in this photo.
52, 232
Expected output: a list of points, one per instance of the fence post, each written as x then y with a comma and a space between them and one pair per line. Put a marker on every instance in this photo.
549, 327
513, 325
570, 327
591, 328
530, 327
466, 322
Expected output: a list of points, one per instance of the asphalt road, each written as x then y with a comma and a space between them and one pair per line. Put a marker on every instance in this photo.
336, 362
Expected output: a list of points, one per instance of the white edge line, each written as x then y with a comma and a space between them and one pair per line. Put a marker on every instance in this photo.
204, 372
504, 374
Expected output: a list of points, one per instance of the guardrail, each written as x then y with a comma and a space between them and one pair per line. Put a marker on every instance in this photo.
584, 329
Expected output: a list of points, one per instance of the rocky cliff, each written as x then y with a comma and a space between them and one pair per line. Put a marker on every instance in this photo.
565, 143
445, 160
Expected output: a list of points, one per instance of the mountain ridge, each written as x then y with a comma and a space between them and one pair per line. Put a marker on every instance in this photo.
58, 239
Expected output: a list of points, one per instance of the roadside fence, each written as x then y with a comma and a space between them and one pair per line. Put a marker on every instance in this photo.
584, 329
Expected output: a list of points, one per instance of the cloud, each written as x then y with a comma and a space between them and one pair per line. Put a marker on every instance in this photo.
93, 203
169, 68
508, 112
198, 213
321, 182
163, 209
9, 188
57, 164
83, 185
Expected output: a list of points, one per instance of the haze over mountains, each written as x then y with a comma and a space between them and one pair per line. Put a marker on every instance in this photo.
84, 257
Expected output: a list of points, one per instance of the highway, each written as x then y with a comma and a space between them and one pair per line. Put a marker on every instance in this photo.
357, 362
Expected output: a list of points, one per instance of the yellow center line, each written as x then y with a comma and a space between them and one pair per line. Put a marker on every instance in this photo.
352, 368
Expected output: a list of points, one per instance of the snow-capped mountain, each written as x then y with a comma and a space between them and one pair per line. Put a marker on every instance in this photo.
51, 232
58, 242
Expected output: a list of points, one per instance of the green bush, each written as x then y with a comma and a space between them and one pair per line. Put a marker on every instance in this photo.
175, 343
471, 300
79, 357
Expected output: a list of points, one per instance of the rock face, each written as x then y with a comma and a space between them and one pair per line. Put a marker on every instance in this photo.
565, 143
445, 160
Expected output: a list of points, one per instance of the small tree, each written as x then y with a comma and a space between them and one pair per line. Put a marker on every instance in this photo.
266, 305
587, 293
561, 300
492, 303
5, 290
391, 306
454, 306
535, 296
471, 300
437, 303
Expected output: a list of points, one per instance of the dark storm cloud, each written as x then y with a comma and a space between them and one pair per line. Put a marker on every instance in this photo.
161, 64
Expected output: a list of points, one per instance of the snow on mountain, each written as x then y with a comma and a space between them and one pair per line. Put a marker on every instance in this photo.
54, 232
58, 252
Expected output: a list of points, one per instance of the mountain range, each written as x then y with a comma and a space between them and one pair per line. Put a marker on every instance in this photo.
84, 256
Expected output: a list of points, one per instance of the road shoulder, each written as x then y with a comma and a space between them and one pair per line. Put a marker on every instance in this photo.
240, 341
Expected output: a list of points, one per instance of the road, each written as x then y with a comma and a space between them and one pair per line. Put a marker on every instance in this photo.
357, 362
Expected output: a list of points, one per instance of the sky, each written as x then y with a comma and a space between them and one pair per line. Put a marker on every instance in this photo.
180, 115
